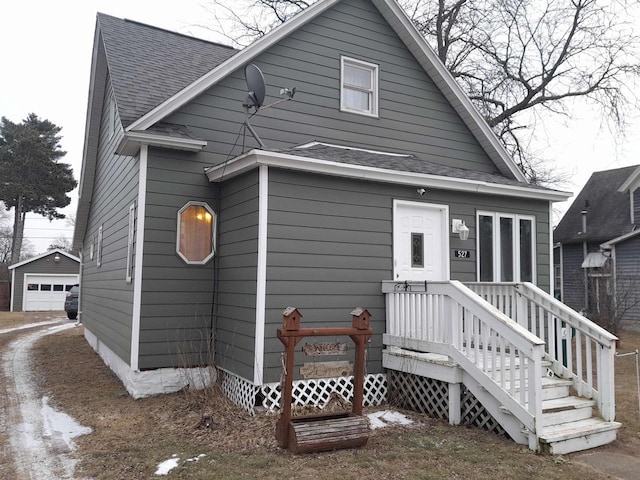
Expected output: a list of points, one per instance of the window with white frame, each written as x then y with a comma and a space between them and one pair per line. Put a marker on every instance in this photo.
99, 247
506, 247
132, 221
359, 87
196, 233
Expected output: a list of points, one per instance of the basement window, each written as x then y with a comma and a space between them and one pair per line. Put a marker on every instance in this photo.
196, 233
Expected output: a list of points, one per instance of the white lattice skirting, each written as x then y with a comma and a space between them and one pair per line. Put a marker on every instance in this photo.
431, 397
316, 392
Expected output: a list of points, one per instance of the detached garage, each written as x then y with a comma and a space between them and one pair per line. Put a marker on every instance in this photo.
41, 283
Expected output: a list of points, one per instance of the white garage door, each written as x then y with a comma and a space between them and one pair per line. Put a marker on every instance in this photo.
46, 292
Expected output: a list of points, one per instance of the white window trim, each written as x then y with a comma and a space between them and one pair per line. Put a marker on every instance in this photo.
497, 271
214, 224
130, 237
99, 248
373, 112
92, 247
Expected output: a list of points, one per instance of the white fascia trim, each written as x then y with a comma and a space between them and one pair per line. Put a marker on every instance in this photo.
629, 182
261, 288
230, 65
418, 41
132, 141
621, 238
137, 280
42, 255
254, 158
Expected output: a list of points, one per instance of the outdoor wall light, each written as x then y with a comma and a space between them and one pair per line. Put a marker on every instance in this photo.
56, 258
458, 226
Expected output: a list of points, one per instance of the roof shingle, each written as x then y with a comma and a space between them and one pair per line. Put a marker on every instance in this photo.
608, 214
148, 65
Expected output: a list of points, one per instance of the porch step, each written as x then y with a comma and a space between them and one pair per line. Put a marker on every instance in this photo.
552, 387
560, 411
577, 436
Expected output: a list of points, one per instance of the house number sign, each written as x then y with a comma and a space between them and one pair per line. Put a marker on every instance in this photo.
462, 253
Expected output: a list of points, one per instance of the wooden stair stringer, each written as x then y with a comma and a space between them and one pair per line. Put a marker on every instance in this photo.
514, 427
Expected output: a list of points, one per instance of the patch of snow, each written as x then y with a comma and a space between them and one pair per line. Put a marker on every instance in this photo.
165, 467
385, 418
30, 325
195, 459
60, 425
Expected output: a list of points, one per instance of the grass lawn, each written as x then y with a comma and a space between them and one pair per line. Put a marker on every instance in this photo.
132, 437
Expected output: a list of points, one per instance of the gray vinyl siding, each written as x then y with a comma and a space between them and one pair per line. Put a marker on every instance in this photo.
176, 299
106, 298
44, 266
330, 247
627, 282
237, 276
636, 206
414, 116
573, 276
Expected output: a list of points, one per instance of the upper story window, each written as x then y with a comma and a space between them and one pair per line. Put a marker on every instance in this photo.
195, 239
359, 87
506, 247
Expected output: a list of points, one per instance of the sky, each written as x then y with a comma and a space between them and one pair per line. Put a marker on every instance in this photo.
46, 65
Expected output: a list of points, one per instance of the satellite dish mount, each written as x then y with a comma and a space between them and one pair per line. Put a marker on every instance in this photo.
256, 87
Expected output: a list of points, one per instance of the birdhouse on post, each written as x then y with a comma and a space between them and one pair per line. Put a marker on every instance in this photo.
291, 319
360, 319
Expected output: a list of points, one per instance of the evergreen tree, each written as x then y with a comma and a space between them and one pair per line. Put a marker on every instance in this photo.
31, 178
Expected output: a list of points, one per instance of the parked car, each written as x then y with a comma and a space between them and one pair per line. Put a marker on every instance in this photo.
71, 303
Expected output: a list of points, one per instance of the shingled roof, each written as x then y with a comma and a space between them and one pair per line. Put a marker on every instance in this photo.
148, 64
608, 214
397, 162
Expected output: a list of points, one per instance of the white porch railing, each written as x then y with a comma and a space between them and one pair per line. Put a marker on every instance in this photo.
573, 343
449, 318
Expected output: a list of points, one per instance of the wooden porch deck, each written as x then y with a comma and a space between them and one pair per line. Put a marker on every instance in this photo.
553, 395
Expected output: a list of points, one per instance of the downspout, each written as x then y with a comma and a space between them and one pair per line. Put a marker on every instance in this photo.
584, 257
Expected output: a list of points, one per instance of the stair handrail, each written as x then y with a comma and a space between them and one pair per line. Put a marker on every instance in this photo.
565, 319
465, 304
567, 314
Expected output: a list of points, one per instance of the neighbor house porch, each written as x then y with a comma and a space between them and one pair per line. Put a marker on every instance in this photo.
540, 370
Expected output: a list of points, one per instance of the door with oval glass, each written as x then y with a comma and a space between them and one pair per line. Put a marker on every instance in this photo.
420, 241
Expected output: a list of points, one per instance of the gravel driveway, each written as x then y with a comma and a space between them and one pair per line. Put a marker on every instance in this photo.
40, 439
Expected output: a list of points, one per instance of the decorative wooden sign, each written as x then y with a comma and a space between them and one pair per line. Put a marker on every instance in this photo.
326, 369
317, 349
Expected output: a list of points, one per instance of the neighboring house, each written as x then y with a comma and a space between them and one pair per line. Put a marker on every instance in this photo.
367, 184
41, 283
598, 248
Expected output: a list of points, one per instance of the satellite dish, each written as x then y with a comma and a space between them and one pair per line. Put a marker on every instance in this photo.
255, 85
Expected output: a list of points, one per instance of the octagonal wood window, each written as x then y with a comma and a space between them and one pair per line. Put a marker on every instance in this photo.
196, 226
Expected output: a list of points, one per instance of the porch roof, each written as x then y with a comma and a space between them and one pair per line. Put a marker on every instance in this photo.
385, 167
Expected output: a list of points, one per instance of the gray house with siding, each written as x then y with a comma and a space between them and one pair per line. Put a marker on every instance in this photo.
378, 185
598, 248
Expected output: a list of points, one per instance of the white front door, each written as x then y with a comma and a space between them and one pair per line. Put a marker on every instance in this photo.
420, 241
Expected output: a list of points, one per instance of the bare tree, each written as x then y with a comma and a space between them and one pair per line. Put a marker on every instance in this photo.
509, 56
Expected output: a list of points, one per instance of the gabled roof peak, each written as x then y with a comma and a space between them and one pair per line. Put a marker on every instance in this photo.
165, 30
